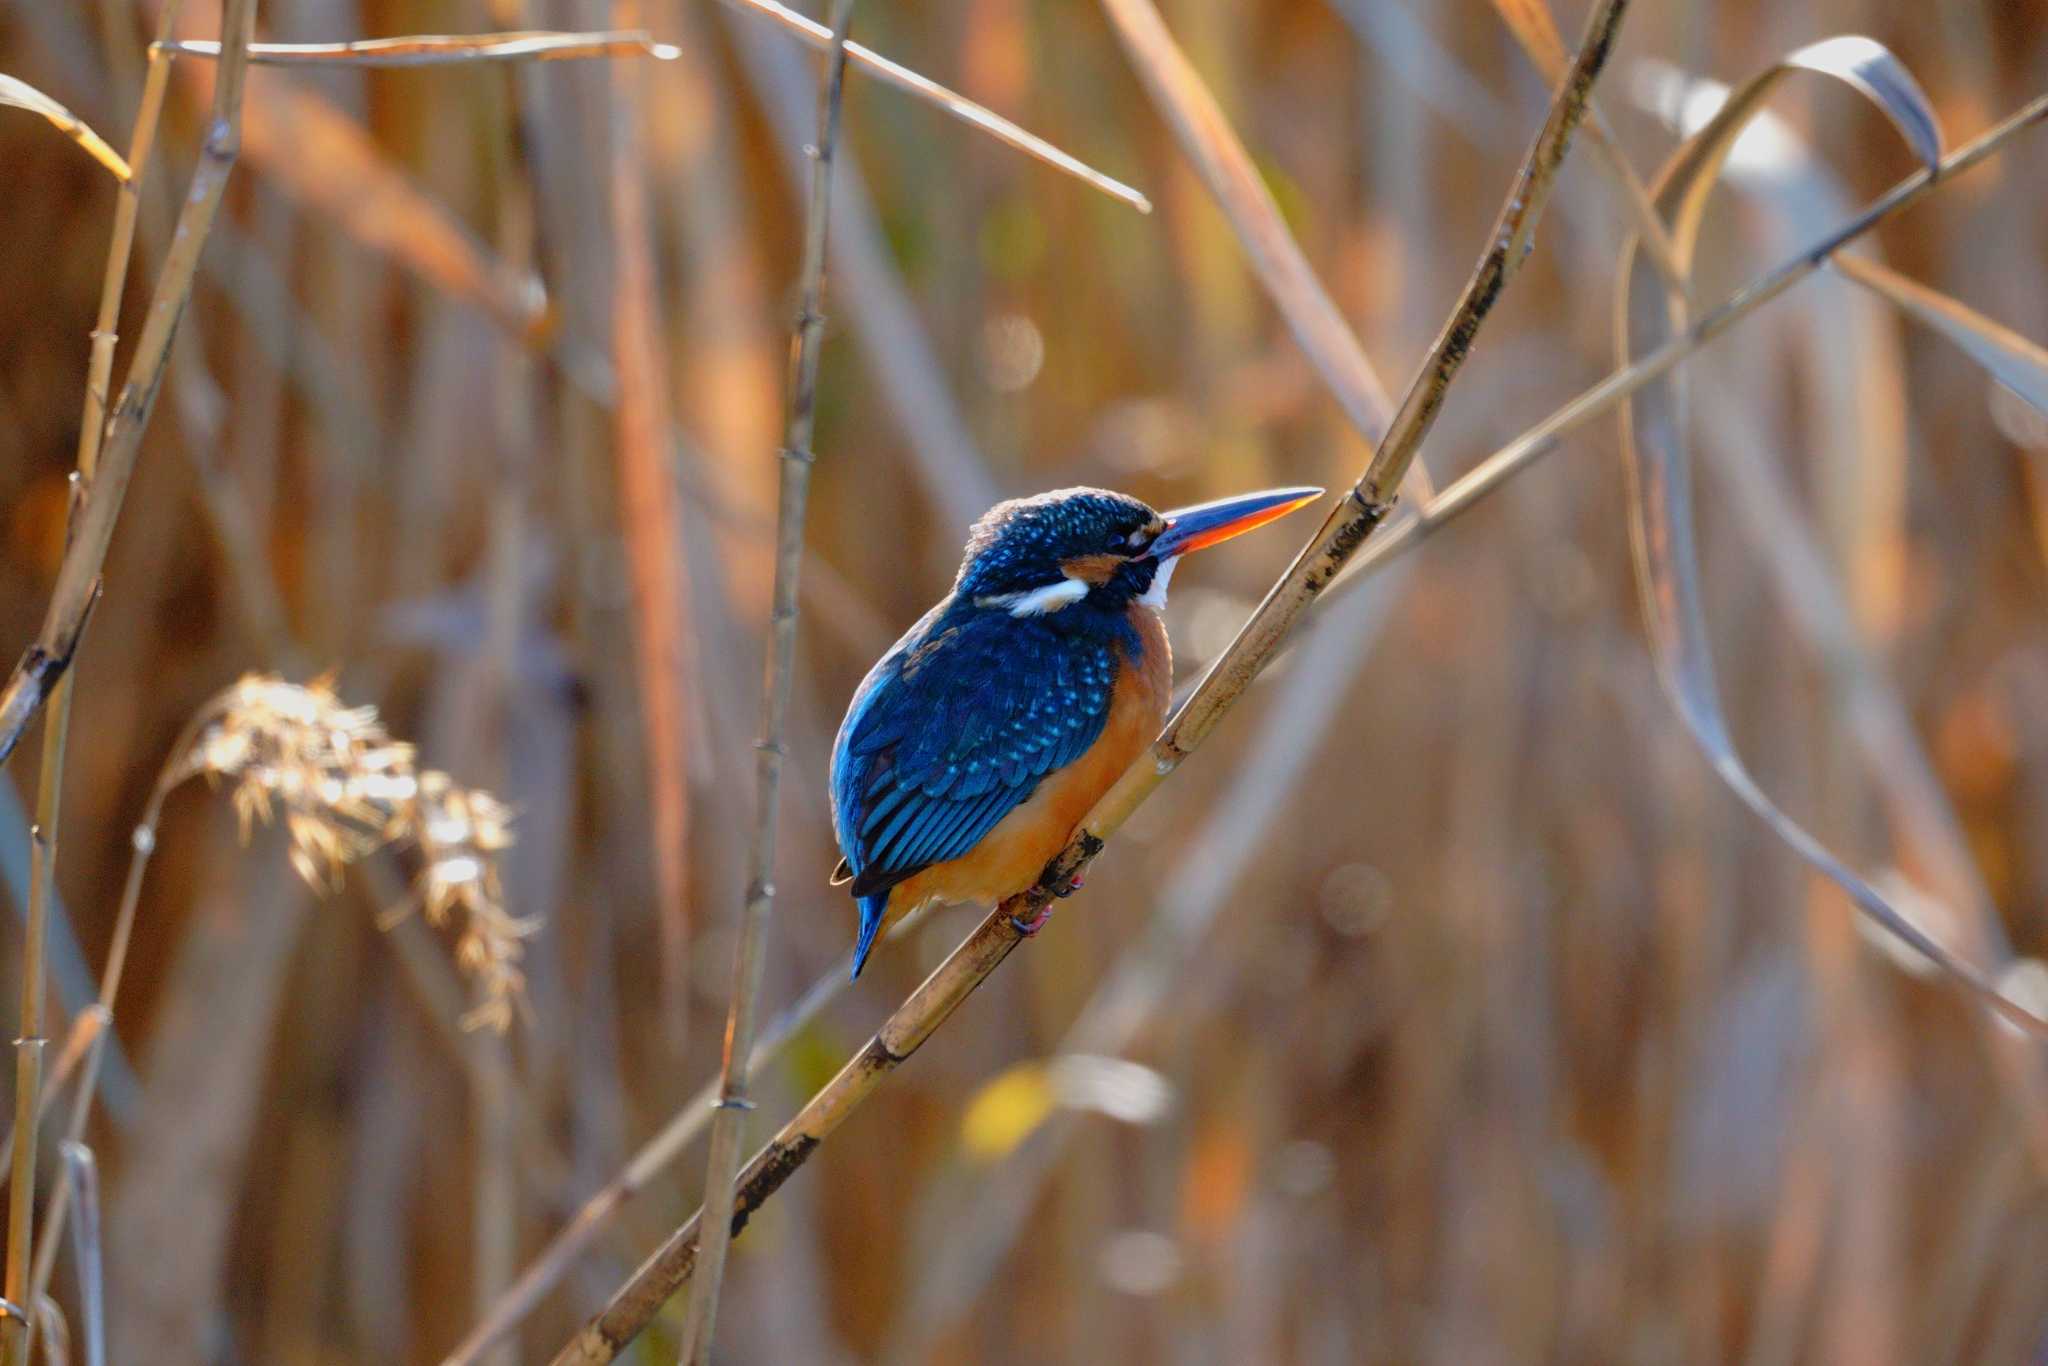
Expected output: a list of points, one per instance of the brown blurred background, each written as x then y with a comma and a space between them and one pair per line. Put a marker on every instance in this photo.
1474, 1021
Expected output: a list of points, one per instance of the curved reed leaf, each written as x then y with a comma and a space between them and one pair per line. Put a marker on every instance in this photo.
1653, 440
19, 94
2019, 364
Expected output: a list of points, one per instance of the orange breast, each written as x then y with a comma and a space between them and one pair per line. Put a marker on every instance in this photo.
1010, 857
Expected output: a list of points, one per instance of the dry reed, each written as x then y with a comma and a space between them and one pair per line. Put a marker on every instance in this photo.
343, 789
1502, 1116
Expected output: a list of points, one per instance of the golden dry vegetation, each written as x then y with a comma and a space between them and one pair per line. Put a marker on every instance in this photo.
1447, 1006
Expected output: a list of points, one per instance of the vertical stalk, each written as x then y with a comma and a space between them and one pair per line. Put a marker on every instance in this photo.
28, 1076
494, 1085
56, 728
728, 1125
84, 1173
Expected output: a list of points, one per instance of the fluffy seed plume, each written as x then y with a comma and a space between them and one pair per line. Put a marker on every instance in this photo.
343, 788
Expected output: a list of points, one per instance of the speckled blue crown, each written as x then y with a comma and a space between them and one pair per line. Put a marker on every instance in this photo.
1021, 544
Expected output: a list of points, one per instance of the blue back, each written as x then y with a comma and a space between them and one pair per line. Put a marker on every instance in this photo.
954, 728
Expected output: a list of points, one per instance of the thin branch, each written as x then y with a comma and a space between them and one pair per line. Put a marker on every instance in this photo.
1535, 30
437, 49
728, 1126
904, 1032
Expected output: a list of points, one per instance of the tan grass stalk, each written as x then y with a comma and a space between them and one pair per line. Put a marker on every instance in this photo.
819, 36
92, 423
95, 491
53, 1332
728, 1125
536, 45
498, 1103
636, 1303
1659, 485
44, 662
81, 1042
323, 158
20, 94
2016, 361
1369, 501
1240, 191
83, 1172
876, 302
1533, 26
342, 788
654, 1157
1601, 399
444, 49
651, 514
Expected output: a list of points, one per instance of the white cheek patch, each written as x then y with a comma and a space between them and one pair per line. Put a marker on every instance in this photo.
1155, 596
1038, 601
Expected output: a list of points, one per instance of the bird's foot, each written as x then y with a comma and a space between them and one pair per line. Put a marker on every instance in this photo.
1069, 887
1034, 923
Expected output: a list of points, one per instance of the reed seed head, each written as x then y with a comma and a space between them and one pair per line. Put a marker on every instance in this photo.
343, 788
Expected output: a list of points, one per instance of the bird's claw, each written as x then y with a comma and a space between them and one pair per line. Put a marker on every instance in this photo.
1036, 922
1069, 887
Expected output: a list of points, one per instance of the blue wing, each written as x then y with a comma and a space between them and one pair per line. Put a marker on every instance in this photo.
952, 730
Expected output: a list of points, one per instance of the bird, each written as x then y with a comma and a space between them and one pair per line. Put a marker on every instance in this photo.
974, 748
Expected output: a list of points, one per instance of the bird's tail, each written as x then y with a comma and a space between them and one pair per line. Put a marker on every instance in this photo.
872, 908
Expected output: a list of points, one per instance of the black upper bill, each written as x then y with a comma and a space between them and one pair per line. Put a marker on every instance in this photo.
1207, 524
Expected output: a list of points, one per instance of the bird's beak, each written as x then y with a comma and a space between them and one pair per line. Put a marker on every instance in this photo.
1207, 524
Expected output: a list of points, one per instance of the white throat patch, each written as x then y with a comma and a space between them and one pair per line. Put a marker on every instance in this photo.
1155, 596
1038, 601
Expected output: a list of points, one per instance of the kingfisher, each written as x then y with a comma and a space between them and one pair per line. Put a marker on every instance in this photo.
975, 747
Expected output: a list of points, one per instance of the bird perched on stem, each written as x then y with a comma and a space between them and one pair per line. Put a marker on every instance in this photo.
973, 750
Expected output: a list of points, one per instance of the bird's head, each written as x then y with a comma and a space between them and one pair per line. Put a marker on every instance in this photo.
1094, 548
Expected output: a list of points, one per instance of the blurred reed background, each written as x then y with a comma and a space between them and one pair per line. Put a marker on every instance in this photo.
1446, 1009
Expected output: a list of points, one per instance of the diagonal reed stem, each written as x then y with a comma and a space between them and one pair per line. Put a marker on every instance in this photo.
654, 1157
819, 36
728, 1125
674, 1263
1239, 190
29, 686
